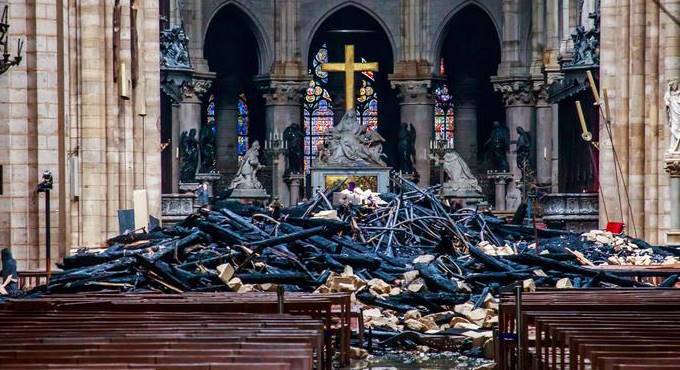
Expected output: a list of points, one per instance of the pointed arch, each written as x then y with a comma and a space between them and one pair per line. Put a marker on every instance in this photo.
442, 30
335, 9
264, 48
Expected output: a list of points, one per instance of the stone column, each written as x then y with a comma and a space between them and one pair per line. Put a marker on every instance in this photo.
519, 112
226, 115
544, 134
672, 165
417, 107
283, 106
189, 111
465, 111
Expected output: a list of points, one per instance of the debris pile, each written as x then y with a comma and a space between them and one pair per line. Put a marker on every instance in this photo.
419, 270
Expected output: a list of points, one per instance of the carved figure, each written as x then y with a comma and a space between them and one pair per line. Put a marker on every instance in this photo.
672, 100
174, 50
460, 178
523, 149
513, 198
189, 155
497, 147
353, 144
322, 151
208, 150
407, 147
294, 137
9, 271
246, 176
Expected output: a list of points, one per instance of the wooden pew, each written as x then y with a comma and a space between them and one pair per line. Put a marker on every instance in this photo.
585, 328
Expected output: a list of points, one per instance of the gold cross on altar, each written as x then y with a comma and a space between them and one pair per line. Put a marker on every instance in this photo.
349, 67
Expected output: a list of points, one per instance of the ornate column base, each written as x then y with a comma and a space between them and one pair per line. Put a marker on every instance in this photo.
501, 182
294, 181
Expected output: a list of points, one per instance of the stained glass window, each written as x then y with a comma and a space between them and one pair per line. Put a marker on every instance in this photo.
443, 114
367, 101
242, 123
318, 108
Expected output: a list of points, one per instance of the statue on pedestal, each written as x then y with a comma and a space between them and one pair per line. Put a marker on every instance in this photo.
460, 178
189, 156
497, 147
246, 176
407, 147
294, 138
672, 100
352, 144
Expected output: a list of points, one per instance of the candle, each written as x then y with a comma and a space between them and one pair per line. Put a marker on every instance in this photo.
591, 81
586, 135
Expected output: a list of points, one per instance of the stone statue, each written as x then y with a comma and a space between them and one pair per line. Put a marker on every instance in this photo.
407, 147
9, 271
672, 99
353, 144
174, 50
322, 151
523, 149
460, 178
208, 148
246, 176
189, 155
294, 137
513, 198
497, 147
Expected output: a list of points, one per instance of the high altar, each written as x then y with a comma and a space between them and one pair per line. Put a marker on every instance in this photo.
354, 152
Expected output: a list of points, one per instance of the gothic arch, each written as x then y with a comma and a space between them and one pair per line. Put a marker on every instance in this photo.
334, 9
264, 49
441, 32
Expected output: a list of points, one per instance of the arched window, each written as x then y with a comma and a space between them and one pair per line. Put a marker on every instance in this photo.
318, 108
443, 114
242, 123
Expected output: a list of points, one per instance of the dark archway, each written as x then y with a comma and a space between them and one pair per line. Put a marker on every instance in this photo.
232, 51
352, 25
470, 55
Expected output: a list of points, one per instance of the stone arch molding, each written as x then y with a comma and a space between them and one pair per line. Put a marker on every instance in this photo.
318, 21
265, 54
441, 31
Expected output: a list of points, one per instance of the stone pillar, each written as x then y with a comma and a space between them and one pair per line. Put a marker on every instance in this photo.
190, 105
283, 106
226, 115
465, 111
672, 165
519, 112
175, 147
544, 135
417, 107
295, 183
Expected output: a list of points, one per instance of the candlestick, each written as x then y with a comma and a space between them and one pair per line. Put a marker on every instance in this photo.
591, 81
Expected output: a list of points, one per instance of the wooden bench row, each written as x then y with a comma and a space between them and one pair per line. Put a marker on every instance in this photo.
590, 329
333, 309
188, 330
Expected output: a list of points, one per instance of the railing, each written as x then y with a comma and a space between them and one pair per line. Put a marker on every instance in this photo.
31, 279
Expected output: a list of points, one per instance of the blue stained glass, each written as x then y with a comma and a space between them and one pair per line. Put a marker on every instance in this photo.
242, 124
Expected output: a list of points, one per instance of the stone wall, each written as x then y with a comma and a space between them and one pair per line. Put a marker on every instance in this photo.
640, 53
60, 111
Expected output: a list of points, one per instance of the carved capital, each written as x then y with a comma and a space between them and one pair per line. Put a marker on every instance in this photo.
277, 92
514, 91
196, 87
413, 91
540, 88
672, 164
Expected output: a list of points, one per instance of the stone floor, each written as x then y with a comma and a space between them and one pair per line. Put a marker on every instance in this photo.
419, 361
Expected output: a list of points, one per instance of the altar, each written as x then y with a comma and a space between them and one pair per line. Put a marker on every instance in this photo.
375, 178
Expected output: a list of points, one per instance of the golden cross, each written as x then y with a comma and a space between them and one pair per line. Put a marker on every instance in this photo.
349, 67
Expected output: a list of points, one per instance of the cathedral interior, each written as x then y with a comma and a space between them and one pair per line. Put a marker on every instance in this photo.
407, 168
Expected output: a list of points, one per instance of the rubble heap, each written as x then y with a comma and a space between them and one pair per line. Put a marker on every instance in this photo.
419, 269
